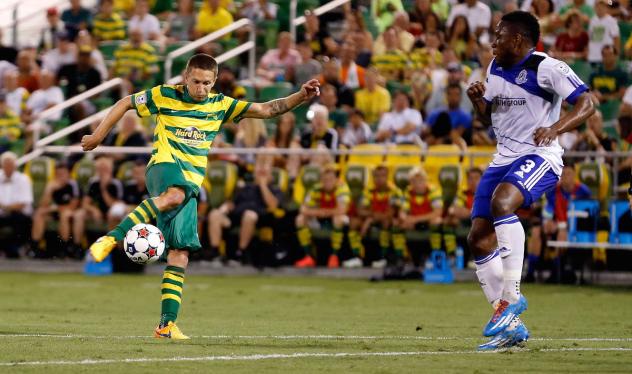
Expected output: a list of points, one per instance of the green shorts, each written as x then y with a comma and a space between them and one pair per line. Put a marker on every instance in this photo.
179, 225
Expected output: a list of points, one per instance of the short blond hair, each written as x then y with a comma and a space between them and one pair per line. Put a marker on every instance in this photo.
417, 171
8, 156
330, 168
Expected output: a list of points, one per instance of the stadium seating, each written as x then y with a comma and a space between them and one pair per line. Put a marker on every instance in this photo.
597, 177
411, 157
610, 110
108, 48
582, 69
280, 179
434, 160
618, 209
82, 171
180, 62
450, 181
480, 160
625, 30
41, 170
400, 176
357, 178
124, 172
374, 154
308, 176
275, 90
583, 216
222, 180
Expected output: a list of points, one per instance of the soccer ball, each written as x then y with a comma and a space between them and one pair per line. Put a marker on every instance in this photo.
144, 243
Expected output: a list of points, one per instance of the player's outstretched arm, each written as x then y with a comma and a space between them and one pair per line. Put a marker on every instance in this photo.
90, 142
584, 108
277, 107
476, 92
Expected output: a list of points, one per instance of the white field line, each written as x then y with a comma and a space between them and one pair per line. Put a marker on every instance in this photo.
309, 337
257, 357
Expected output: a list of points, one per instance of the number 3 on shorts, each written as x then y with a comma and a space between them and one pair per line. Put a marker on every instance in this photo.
525, 168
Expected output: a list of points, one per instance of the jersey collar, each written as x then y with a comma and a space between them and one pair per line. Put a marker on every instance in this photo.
189, 99
524, 59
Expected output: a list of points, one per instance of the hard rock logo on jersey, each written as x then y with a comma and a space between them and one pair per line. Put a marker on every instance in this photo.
191, 136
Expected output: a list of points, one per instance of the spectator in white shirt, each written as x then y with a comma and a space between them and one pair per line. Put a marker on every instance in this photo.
142, 20
402, 125
16, 95
64, 54
626, 107
478, 15
278, 63
48, 95
16, 204
357, 131
603, 30
258, 10
6, 66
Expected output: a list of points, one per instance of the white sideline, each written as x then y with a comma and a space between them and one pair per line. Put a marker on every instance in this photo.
315, 337
257, 357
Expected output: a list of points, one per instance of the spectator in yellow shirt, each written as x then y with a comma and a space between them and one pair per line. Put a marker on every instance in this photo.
108, 25
136, 61
373, 100
124, 7
10, 125
212, 18
392, 61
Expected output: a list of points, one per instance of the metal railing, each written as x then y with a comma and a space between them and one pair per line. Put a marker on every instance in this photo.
248, 46
467, 156
13, 26
50, 112
297, 21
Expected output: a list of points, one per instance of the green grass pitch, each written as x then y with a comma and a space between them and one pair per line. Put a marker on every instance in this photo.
60, 323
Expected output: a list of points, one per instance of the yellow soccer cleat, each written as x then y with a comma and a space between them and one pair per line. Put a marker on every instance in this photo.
102, 248
171, 331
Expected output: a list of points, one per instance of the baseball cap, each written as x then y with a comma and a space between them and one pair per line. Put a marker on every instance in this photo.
51, 11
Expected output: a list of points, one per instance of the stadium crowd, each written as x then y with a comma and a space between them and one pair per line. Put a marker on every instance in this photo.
393, 75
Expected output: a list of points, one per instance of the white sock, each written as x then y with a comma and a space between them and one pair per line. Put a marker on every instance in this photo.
489, 270
510, 236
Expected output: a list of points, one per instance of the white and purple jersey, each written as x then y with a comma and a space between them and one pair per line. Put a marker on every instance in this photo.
527, 96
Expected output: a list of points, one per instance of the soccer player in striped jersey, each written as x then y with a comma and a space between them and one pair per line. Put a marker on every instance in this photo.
521, 99
421, 210
188, 118
326, 205
380, 206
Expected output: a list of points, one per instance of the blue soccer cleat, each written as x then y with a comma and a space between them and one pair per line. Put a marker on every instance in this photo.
514, 335
504, 314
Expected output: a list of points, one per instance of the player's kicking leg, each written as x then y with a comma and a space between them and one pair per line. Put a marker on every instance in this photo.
171, 289
145, 212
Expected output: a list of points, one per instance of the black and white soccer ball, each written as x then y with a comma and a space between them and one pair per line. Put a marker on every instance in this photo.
144, 243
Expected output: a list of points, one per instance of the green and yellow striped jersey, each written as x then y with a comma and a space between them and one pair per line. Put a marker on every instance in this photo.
390, 64
185, 129
10, 127
108, 28
317, 197
128, 58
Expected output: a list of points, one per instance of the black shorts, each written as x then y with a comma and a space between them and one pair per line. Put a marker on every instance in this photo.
266, 219
422, 226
